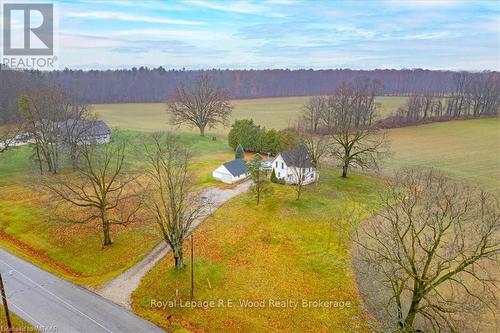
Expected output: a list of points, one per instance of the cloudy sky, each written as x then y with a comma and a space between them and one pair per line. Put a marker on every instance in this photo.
435, 34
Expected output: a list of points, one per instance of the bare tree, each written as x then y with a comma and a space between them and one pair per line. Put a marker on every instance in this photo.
76, 129
356, 138
328, 114
313, 112
200, 105
430, 255
54, 121
100, 188
261, 185
173, 199
9, 134
483, 94
316, 144
40, 112
458, 102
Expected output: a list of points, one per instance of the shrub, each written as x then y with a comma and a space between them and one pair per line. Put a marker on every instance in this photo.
258, 139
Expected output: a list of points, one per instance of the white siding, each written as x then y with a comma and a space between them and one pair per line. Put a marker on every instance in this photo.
223, 175
280, 167
289, 174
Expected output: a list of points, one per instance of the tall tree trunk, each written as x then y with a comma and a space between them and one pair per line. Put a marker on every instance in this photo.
202, 130
178, 256
105, 229
48, 158
55, 162
345, 167
412, 311
39, 159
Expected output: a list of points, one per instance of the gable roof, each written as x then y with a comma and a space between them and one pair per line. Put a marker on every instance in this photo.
297, 158
236, 167
89, 128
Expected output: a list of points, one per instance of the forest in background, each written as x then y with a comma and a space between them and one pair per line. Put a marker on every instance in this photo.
139, 85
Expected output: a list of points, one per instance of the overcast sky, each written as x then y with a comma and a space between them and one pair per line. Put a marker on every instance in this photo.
280, 34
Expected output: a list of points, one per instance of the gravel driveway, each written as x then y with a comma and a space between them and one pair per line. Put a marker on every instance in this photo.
119, 289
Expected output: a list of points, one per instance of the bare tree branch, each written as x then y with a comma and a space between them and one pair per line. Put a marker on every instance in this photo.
200, 105
433, 251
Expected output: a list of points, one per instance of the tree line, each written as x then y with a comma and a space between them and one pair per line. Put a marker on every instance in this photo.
471, 96
144, 84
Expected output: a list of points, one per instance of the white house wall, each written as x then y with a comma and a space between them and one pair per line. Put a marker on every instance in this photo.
222, 174
289, 174
280, 167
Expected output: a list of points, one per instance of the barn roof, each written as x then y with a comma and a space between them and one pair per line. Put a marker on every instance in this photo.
236, 167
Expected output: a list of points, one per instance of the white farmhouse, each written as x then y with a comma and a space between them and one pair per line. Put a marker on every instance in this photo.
294, 165
231, 172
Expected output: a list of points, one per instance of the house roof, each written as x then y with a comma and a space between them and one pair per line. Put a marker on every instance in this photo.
297, 158
90, 128
236, 167
98, 128
86, 127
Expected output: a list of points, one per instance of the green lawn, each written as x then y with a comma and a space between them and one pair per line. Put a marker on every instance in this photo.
282, 249
73, 251
465, 149
279, 112
18, 325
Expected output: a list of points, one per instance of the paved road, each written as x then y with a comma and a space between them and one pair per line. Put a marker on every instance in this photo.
119, 289
45, 300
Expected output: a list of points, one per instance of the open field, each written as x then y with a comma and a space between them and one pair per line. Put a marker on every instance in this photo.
282, 249
276, 113
464, 149
74, 251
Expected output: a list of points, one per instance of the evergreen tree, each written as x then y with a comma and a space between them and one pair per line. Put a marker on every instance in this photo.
246, 133
240, 153
274, 179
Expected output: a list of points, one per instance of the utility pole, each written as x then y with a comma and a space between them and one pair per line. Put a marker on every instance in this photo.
5, 306
192, 267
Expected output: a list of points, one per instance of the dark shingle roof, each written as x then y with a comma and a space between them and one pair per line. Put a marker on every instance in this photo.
297, 158
236, 167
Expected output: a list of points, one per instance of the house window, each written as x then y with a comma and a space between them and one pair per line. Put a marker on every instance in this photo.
282, 165
279, 174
